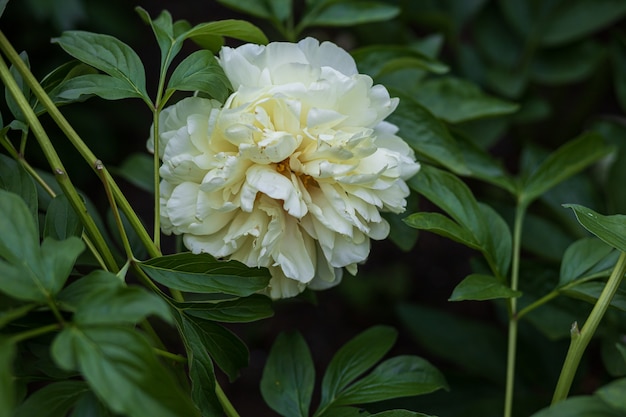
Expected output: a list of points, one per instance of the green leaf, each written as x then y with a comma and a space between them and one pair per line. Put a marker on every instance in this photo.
55, 81
7, 380
163, 29
202, 273
14, 178
53, 400
3, 5
443, 226
580, 257
14, 311
566, 161
104, 86
400, 413
450, 194
354, 358
96, 282
237, 29
121, 368
124, 305
427, 135
618, 60
89, 405
579, 407
200, 71
110, 55
288, 376
439, 333
402, 376
62, 221
482, 287
138, 169
378, 60
350, 13
497, 241
613, 394
456, 100
201, 370
281, 9
28, 271
610, 229
401, 234
15, 109
240, 310
252, 7
568, 64
226, 349
590, 292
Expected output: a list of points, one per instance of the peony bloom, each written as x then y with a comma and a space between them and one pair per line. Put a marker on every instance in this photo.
292, 172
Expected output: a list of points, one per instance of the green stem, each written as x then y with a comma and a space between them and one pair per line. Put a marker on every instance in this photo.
580, 339
157, 191
29, 334
169, 355
512, 305
56, 165
538, 303
229, 410
76, 141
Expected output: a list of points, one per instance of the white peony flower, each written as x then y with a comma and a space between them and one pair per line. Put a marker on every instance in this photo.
292, 172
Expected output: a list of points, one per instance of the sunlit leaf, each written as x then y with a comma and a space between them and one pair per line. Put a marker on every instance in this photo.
288, 376
482, 287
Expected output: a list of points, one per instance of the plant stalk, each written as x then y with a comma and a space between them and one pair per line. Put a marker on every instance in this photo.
512, 306
580, 339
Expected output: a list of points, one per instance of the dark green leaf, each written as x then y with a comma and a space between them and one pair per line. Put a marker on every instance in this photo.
590, 291
14, 178
456, 100
613, 394
54, 83
200, 71
482, 287
201, 370
579, 407
618, 59
3, 4
354, 358
108, 54
57, 260
610, 229
497, 241
240, 310
237, 29
204, 274
378, 60
89, 405
251, 7
400, 413
19, 240
53, 400
439, 333
104, 86
288, 377
98, 281
426, 134
566, 161
226, 349
61, 220
350, 13
580, 257
401, 376
138, 169
569, 64
281, 9
7, 380
14, 312
10, 100
120, 367
401, 234
443, 226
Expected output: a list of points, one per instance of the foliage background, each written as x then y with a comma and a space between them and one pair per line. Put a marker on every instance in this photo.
513, 50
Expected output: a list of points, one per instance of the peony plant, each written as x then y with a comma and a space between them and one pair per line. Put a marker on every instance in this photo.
274, 167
